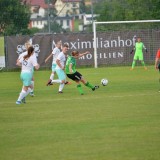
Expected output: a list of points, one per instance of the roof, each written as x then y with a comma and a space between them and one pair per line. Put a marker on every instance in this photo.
40, 3
65, 1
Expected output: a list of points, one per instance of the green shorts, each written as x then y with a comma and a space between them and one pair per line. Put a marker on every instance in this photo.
138, 57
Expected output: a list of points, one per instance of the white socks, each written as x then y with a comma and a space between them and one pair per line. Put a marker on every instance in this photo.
57, 81
32, 83
23, 94
52, 76
61, 86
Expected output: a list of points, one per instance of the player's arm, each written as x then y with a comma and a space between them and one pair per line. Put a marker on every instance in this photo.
34, 62
48, 57
133, 50
82, 54
18, 63
37, 66
59, 64
144, 48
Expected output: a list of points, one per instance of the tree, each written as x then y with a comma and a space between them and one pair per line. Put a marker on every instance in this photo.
113, 10
127, 10
14, 17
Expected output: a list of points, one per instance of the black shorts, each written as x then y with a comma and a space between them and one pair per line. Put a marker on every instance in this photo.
75, 76
159, 66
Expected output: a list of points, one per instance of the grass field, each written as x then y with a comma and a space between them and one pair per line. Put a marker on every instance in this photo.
120, 121
1, 46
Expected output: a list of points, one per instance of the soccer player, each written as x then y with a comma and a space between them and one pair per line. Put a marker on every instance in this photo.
71, 72
157, 63
27, 45
139, 46
54, 54
157, 60
60, 65
27, 63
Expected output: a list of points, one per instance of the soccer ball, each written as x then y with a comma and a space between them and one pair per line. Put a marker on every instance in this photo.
104, 82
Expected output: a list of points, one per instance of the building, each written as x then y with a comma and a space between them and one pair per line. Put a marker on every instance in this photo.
89, 18
67, 7
40, 15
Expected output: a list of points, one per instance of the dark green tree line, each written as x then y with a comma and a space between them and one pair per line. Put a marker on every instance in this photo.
14, 17
113, 10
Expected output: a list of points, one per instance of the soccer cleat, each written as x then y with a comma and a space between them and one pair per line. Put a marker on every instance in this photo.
18, 102
49, 82
31, 94
60, 92
95, 87
131, 69
67, 82
24, 100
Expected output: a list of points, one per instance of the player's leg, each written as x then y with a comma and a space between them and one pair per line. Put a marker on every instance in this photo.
53, 71
62, 78
52, 74
86, 83
32, 83
26, 79
79, 87
134, 61
76, 77
142, 61
159, 77
50, 82
32, 90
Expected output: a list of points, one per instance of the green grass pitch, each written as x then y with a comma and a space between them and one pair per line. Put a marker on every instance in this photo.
1, 46
120, 121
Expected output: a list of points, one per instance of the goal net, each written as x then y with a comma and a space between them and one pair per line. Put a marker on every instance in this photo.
114, 40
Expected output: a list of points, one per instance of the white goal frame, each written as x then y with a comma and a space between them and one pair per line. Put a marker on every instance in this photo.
111, 22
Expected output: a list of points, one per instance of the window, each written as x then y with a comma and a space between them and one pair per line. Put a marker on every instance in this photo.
67, 22
61, 22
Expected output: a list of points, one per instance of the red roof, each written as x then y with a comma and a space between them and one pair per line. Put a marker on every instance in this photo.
40, 3
65, 1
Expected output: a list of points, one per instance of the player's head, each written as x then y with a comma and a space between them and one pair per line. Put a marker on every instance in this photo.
29, 52
59, 44
27, 45
65, 48
139, 39
75, 54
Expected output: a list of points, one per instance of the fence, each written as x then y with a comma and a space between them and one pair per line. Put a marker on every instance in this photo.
113, 48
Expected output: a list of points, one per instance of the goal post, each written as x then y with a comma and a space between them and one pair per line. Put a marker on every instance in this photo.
96, 40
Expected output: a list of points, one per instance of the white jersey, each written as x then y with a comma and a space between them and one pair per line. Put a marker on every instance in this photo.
25, 53
62, 59
56, 51
22, 55
28, 64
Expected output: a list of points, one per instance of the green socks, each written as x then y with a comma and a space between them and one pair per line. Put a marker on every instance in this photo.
79, 87
133, 63
89, 85
143, 64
